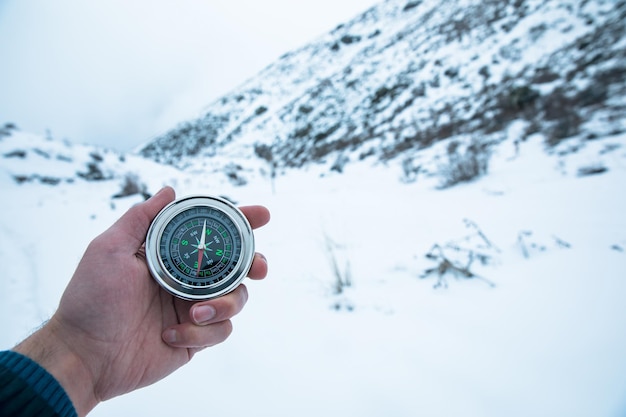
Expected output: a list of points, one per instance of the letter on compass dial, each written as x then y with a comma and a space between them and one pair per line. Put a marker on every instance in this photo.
202, 247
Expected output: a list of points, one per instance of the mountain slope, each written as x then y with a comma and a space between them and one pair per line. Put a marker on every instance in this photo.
406, 75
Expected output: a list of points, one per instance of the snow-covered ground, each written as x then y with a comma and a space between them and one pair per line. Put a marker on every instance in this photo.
546, 339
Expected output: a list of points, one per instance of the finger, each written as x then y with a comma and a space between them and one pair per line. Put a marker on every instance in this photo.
135, 222
219, 309
210, 321
190, 336
259, 267
257, 215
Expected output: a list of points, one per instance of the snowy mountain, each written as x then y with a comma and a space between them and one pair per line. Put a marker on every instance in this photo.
446, 182
408, 74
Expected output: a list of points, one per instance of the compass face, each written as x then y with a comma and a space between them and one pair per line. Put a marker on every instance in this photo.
199, 247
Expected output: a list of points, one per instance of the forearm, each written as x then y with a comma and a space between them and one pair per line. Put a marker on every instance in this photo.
48, 348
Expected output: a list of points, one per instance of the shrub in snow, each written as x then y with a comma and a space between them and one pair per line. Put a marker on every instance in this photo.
234, 174
530, 244
93, 173
7, 129
464, 165
456, 258
342, 277
594, 169
409, 170
131, 185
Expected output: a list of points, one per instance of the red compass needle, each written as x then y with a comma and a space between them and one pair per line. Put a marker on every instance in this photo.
201, 247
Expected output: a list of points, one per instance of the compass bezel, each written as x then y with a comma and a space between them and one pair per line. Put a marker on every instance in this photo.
224, 284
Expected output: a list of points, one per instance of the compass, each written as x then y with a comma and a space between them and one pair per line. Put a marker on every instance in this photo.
199, 247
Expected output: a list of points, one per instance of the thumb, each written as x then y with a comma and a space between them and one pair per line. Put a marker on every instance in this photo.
133, 226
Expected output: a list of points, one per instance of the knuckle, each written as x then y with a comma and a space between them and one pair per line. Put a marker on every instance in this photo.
220, 332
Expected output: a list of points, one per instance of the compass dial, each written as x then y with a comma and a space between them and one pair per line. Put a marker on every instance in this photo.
199, 247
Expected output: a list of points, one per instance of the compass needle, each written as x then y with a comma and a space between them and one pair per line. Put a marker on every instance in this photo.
216, 263
201, 249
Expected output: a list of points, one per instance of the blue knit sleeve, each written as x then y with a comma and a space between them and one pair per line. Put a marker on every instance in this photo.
27, 389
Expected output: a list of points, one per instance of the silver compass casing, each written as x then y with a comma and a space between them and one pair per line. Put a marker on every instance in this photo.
226, 283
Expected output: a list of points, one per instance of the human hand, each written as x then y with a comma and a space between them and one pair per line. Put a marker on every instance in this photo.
116, 329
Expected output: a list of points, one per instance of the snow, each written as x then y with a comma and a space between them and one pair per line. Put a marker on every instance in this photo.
548, 339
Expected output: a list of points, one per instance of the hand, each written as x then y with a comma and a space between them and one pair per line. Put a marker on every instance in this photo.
115, 329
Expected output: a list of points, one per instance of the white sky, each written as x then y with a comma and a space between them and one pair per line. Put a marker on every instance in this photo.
118, 72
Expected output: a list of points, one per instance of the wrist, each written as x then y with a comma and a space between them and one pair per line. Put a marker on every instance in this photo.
48, 348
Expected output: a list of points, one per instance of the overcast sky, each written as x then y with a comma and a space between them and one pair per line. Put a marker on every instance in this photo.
119, 72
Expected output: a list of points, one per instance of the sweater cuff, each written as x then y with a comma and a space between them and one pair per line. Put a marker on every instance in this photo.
28, 389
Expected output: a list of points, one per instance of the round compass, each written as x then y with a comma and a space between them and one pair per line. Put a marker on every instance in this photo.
199, 247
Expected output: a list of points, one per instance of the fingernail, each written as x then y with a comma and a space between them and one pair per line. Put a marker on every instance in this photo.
170, 336
202, 314
262, 258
